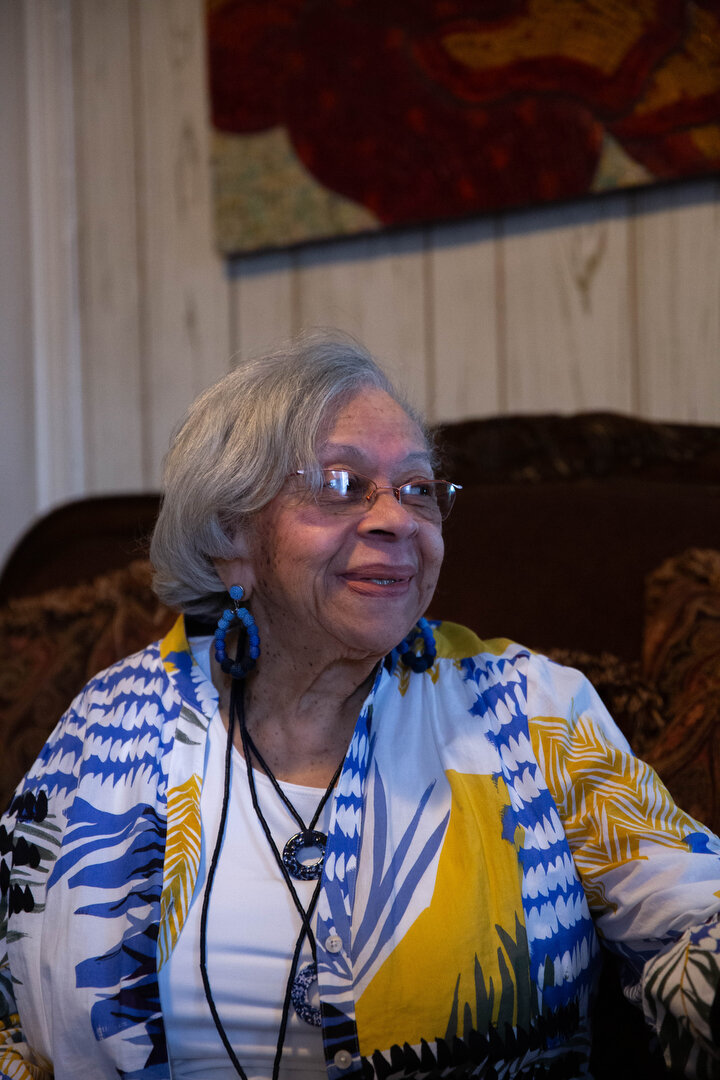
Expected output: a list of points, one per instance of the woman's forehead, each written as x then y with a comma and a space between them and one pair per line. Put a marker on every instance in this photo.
371, 422
360, 457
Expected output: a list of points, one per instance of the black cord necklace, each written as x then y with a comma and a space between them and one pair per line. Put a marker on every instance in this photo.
309, 836
306, 838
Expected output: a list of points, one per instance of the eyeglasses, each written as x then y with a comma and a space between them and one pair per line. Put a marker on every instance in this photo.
343, 491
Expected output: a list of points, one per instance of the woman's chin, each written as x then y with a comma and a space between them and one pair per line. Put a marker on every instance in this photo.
376, 641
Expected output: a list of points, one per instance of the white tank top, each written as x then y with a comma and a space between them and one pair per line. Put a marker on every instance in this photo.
252, 929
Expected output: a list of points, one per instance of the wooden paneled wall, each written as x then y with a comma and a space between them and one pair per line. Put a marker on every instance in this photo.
115, 309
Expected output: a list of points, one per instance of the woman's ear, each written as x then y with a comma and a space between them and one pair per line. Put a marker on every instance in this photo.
238, 570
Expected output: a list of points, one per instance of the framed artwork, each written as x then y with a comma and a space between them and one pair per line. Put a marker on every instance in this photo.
336, 117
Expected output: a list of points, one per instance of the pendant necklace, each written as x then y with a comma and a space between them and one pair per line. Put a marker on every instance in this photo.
308, 837
298, 983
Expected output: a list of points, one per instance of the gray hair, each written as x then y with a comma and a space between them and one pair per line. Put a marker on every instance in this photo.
235, 448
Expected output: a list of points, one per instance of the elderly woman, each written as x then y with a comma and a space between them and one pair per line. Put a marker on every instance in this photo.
333, 839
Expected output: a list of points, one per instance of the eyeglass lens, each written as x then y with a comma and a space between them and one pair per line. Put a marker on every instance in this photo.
342, 489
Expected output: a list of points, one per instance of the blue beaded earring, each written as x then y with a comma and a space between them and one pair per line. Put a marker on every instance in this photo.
423, 660
246, 663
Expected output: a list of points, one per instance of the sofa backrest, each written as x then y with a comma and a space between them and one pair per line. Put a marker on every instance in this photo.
564, 564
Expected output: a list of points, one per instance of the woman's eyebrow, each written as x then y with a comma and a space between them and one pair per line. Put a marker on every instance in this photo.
338, 451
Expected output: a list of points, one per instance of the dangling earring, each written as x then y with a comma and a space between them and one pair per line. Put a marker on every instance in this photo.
423, 660
246, 663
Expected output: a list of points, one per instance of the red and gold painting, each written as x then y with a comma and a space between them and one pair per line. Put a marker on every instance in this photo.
336, 117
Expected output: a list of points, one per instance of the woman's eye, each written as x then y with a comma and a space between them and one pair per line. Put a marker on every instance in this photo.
340, 482
420, 488
355, 485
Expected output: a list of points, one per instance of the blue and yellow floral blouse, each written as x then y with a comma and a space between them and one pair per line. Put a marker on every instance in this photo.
490, 829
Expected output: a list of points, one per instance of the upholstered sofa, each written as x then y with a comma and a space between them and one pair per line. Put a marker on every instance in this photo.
594, 538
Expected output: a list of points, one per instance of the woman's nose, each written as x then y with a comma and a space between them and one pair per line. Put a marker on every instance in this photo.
386, 513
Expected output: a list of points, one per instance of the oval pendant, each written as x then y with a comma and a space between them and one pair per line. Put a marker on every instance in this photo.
298, 843
300, 993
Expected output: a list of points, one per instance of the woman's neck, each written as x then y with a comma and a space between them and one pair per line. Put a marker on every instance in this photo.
301, 720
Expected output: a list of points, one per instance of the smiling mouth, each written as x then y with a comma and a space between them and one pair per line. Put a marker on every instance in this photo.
382, 581
380, 578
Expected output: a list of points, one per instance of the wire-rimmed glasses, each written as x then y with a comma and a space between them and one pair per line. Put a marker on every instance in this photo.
345, 491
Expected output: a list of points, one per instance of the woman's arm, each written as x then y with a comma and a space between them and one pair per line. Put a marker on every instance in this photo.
650, 872
16, 1059
681, 999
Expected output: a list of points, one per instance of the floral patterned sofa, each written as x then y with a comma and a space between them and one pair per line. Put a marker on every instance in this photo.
594, 538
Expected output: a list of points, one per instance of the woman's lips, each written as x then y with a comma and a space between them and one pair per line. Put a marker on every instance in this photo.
380, 580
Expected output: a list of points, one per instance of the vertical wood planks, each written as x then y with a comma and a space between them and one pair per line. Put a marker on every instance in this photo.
678, 302
464, 311
53, 251
185, 337
107, 201
17, 439
374, 288
567, 329
262, 291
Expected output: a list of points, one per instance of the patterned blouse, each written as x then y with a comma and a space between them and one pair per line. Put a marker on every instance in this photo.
490, 828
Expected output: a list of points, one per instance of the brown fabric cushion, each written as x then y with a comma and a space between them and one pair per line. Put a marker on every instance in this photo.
528, 449
53, 643
77, 541
682, 657
633, 702
565, 564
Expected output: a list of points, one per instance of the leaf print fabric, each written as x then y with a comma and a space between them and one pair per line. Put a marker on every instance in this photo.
182, 859
681, 1000
489, 830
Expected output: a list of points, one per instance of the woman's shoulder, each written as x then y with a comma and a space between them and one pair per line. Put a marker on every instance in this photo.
120, 707
130, 692
137, 674
456, 642
555, 699
146, 672
502, 658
